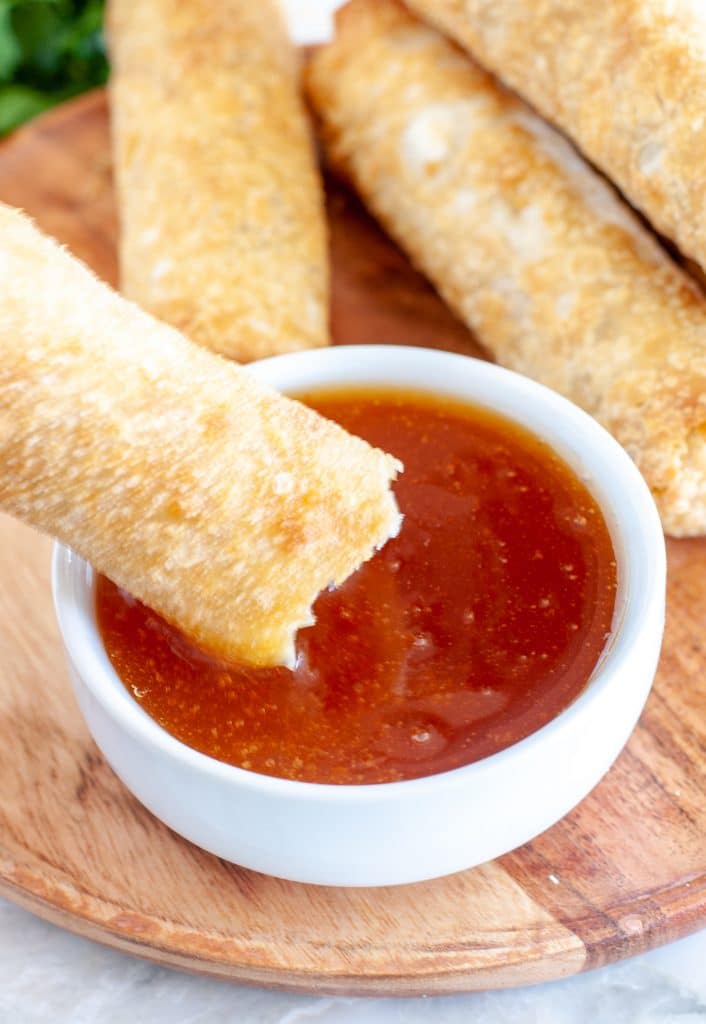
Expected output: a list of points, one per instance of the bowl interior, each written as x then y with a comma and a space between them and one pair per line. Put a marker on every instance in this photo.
600, 462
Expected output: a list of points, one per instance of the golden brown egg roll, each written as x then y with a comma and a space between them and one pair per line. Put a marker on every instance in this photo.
210, 497
221, 204
532, 248
625, 79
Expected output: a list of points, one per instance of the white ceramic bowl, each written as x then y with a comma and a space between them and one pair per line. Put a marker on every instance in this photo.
402, 831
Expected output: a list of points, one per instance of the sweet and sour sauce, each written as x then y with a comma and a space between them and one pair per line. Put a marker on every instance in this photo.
470, 630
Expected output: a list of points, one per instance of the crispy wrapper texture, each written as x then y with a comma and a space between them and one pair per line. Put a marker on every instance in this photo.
525, 241
221, 504
221, 205
626, 79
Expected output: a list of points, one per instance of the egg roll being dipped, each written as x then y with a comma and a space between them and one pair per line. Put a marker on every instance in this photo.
533, 249
221, 205
214, 500
626, 79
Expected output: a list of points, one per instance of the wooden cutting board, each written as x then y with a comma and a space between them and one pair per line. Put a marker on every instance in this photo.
624, 872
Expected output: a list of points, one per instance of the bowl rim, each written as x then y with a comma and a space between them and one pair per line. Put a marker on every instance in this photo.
642, 542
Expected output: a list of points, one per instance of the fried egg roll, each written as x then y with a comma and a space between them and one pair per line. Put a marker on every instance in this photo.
531, 247
625, 79
216, 501
221, 204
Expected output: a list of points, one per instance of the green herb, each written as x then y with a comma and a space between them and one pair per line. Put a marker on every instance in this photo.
50, 50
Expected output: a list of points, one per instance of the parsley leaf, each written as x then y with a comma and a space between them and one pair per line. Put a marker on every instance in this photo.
50, 50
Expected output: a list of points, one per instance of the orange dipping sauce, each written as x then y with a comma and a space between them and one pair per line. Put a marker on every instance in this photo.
478, 624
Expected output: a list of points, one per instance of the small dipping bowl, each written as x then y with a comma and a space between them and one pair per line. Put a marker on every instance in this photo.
396, 832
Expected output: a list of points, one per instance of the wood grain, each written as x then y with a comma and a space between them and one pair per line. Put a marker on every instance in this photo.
624, 872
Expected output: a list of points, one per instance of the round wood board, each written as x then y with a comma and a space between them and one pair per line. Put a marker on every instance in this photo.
624, 872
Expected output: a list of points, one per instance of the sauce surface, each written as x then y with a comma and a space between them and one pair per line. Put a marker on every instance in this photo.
477, 625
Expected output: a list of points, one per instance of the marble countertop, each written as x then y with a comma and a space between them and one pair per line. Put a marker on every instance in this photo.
47, 975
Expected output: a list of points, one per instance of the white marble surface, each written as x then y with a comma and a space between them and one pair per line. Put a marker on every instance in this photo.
311, 21
50, 977
47, 975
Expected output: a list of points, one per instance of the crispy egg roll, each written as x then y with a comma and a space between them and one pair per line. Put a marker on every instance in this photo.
625, 79
221, 204
221, 504
531, 247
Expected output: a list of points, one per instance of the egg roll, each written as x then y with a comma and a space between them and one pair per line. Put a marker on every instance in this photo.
625, 80
221, 504
527, 243
222, 227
